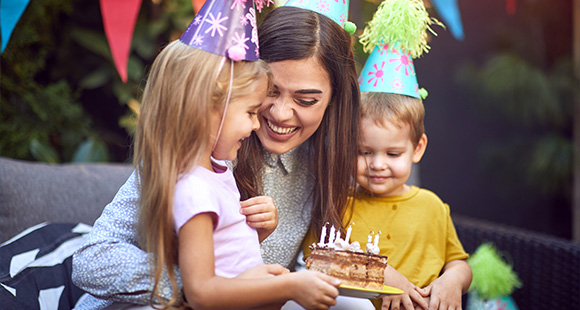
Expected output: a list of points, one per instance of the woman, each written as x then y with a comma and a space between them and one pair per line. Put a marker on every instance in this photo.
302, 157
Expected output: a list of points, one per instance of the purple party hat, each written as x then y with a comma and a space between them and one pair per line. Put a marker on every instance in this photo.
226, 28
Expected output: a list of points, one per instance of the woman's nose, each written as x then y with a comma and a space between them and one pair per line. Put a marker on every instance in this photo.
281, 109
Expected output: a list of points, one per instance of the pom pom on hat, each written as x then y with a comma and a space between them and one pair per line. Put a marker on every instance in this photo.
402, 21
236, 53
492, 276
350, 27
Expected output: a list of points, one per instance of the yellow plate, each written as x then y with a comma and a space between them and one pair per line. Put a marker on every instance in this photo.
354, 291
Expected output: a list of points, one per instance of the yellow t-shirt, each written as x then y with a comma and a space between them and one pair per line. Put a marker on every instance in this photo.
416, 232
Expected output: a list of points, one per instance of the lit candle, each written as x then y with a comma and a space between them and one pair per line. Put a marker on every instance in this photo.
331, 235
337, 235
348, 231
322, 235
370, 238
377, 239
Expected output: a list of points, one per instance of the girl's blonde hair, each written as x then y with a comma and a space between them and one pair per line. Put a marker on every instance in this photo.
173, 133
398, 109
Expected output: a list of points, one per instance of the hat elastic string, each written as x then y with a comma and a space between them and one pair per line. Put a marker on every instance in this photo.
227, 99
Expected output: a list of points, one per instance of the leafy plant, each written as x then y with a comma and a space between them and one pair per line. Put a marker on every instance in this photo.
541, 101
61, 95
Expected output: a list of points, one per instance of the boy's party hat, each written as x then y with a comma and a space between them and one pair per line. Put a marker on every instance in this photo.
336, 10
226, 28
396, 35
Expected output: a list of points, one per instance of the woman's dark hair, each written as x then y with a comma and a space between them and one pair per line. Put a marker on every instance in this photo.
290, 33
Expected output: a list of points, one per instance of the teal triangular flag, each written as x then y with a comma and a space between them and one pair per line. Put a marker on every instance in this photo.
10, 12
449, 12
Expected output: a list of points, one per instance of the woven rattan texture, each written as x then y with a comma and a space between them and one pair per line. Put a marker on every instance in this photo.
549, 267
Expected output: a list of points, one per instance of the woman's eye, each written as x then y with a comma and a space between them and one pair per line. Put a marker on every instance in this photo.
307, 102
273, 93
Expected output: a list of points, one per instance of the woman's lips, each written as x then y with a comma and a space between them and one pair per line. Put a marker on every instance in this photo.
280, 134
280, 130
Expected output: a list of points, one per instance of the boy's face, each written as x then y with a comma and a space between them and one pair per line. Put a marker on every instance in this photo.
385, 157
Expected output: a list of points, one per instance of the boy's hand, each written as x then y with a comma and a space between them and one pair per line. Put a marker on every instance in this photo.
409, 300
261, 214
445, 292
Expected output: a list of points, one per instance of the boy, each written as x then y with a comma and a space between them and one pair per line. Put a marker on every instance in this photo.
414, 225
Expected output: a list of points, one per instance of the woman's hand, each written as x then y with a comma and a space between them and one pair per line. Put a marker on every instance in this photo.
409, 300
314, 290
261, 214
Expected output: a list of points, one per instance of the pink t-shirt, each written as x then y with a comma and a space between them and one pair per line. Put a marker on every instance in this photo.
236, 245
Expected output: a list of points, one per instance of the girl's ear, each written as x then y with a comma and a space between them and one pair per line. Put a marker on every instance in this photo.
420, 149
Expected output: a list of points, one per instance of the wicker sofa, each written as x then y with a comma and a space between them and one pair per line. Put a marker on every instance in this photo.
31, 193
549, 267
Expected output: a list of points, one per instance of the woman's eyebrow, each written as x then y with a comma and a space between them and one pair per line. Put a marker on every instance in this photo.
309, 91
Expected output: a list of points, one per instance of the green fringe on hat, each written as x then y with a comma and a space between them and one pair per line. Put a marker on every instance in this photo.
492, 276
403, 21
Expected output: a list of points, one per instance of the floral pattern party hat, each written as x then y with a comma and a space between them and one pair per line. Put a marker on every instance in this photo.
336, 10
226, 28
395, 36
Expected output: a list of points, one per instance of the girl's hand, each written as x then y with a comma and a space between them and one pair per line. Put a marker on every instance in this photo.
314, 290
409, 300
261, 214
263, 271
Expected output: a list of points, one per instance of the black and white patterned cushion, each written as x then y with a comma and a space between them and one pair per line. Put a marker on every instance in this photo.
36, 265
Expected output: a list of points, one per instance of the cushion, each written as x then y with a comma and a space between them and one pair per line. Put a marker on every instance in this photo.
36, 265
33, 193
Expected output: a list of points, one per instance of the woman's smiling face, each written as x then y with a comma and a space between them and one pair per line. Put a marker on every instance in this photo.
295, 107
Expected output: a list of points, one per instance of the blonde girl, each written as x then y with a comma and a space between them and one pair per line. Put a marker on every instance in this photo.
189, 203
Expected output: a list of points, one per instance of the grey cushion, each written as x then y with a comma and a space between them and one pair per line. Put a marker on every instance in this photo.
32, 193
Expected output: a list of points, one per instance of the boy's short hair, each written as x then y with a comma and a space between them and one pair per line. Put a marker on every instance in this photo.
395, 108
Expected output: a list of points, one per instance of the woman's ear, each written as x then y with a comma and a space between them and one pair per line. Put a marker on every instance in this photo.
420, 149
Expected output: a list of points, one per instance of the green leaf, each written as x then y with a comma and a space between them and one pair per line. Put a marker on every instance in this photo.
91, 151
43, 152
135, 69
93, 41
95, 79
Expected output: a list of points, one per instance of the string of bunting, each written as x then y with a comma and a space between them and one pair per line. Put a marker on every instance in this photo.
120, 17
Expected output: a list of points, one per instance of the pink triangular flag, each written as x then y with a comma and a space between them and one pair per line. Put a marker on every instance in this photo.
119, 18
197, 4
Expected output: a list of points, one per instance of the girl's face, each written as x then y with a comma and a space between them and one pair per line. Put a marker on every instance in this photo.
295, 106
240, 120
385, 157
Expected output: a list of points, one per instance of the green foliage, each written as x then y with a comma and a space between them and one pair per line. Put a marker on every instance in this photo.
541, 101
59, 83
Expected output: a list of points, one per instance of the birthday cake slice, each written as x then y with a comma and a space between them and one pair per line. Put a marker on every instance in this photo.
348, 263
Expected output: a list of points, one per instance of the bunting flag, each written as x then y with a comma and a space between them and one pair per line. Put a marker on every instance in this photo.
197, 4
10, 13
119, 18
510, 6
449, 12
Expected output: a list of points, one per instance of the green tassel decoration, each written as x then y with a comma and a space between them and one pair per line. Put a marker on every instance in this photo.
492, 276
403, 21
